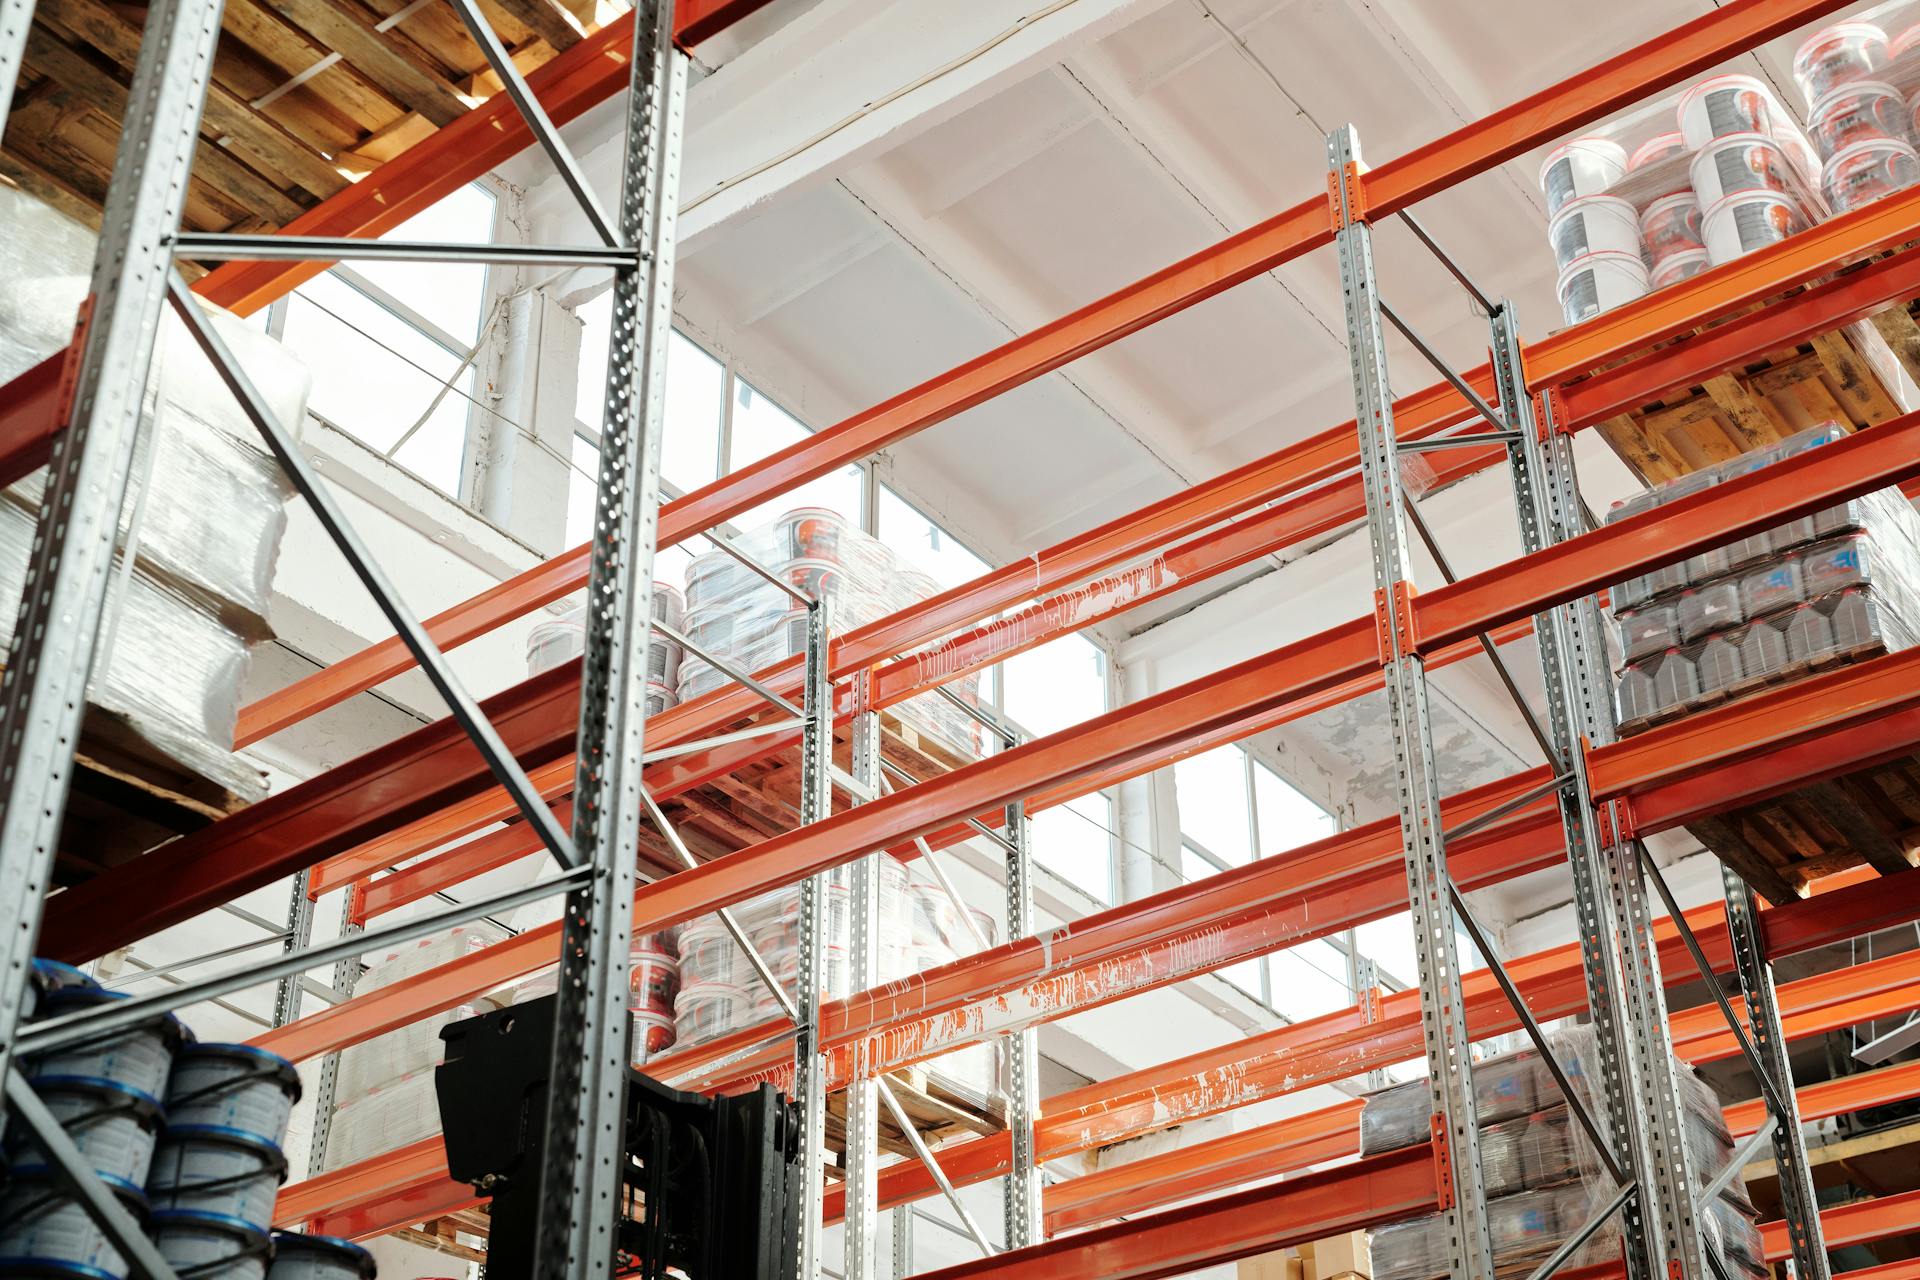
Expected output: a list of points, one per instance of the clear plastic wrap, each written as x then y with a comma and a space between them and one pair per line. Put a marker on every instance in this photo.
1839, 584
208, 530
744, 620
1543, 1178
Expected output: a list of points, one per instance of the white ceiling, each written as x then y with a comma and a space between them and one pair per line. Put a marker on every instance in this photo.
874, 197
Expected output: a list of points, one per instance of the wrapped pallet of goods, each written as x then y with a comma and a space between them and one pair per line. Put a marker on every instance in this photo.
1832, 587
1544, 1179
917, 928
749, 623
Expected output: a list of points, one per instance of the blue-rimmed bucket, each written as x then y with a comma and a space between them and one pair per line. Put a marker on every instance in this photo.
44, 1231
139, 1057
113, 1126
46, 976
221, 1172
303, 1257
233, 1086
204, 1246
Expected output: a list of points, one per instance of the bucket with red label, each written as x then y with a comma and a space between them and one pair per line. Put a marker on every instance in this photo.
1720, 106
1869, 171
1583, 167
1749, 220
1594, 224
1740, 162
1860, 111
1831, 57
1671, 225
1599, 282
1676, 267
1663, 146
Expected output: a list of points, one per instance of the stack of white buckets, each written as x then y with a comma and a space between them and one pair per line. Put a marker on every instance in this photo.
188, 1135
1739, 174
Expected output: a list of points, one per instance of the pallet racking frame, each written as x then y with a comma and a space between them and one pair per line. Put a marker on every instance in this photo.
1588, 805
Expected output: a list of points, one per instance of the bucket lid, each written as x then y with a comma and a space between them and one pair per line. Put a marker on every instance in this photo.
714, 991
811, 513
1601, 258
652, 1016
52, 975
332, 1246
138, 1101
1838, 95
20, 1175
261, 1062
1731, 80
221, 1135
1727, 141
1904, 41
1585, 204
1753, 195
1659, 142
1854, 30
1593, 142
1866, 146
222, 1223
74, 997
54, 1267
1675, 200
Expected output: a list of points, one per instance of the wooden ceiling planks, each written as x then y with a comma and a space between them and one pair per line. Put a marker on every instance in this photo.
307, 95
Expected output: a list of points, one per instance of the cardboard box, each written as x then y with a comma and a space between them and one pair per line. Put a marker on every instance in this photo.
1281, 1264
1337, 1257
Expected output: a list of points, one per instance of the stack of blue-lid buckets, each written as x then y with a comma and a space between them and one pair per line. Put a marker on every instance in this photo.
187, 1134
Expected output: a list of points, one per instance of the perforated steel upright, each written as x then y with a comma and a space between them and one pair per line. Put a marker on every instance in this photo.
582, 1185
1456, 1135
43, 694
809, 1063
863, 959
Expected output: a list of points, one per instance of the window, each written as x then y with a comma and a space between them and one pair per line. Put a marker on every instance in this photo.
761, 427
1216, 828
403, 338
1075, 841
696, 396
1055, 686
1286, 818
1309, 979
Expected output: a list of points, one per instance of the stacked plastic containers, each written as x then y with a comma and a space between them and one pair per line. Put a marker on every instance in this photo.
1861, 125
751, 624
188, 1135
562, 638
1736, 174
653, 983
1544, 1180
383, 1089
917, 928
1772, 607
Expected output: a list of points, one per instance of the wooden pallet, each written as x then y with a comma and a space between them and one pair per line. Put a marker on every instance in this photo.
938, 1112
1782, 844
461, 1235
763, 798
1847, 375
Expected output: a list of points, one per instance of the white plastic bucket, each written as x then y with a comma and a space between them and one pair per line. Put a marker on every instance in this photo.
1594, 224
1599, 282
47, 1232
1831, 57
704, 1010
1671, 225
658, 697
708, 576
138, 1057
1676, 267
47, 976
1750, 220
213, 1171
113, 1127
233, 1086
1739, 162
669, 605
1582, 167
1869, 171
1859, 111
653, 1034
811, 533
1655, 149
1721, 106
1904, 41
554, 643
210, 1248
303, 1257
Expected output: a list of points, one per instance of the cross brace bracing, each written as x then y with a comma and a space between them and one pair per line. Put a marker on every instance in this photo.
435, 785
